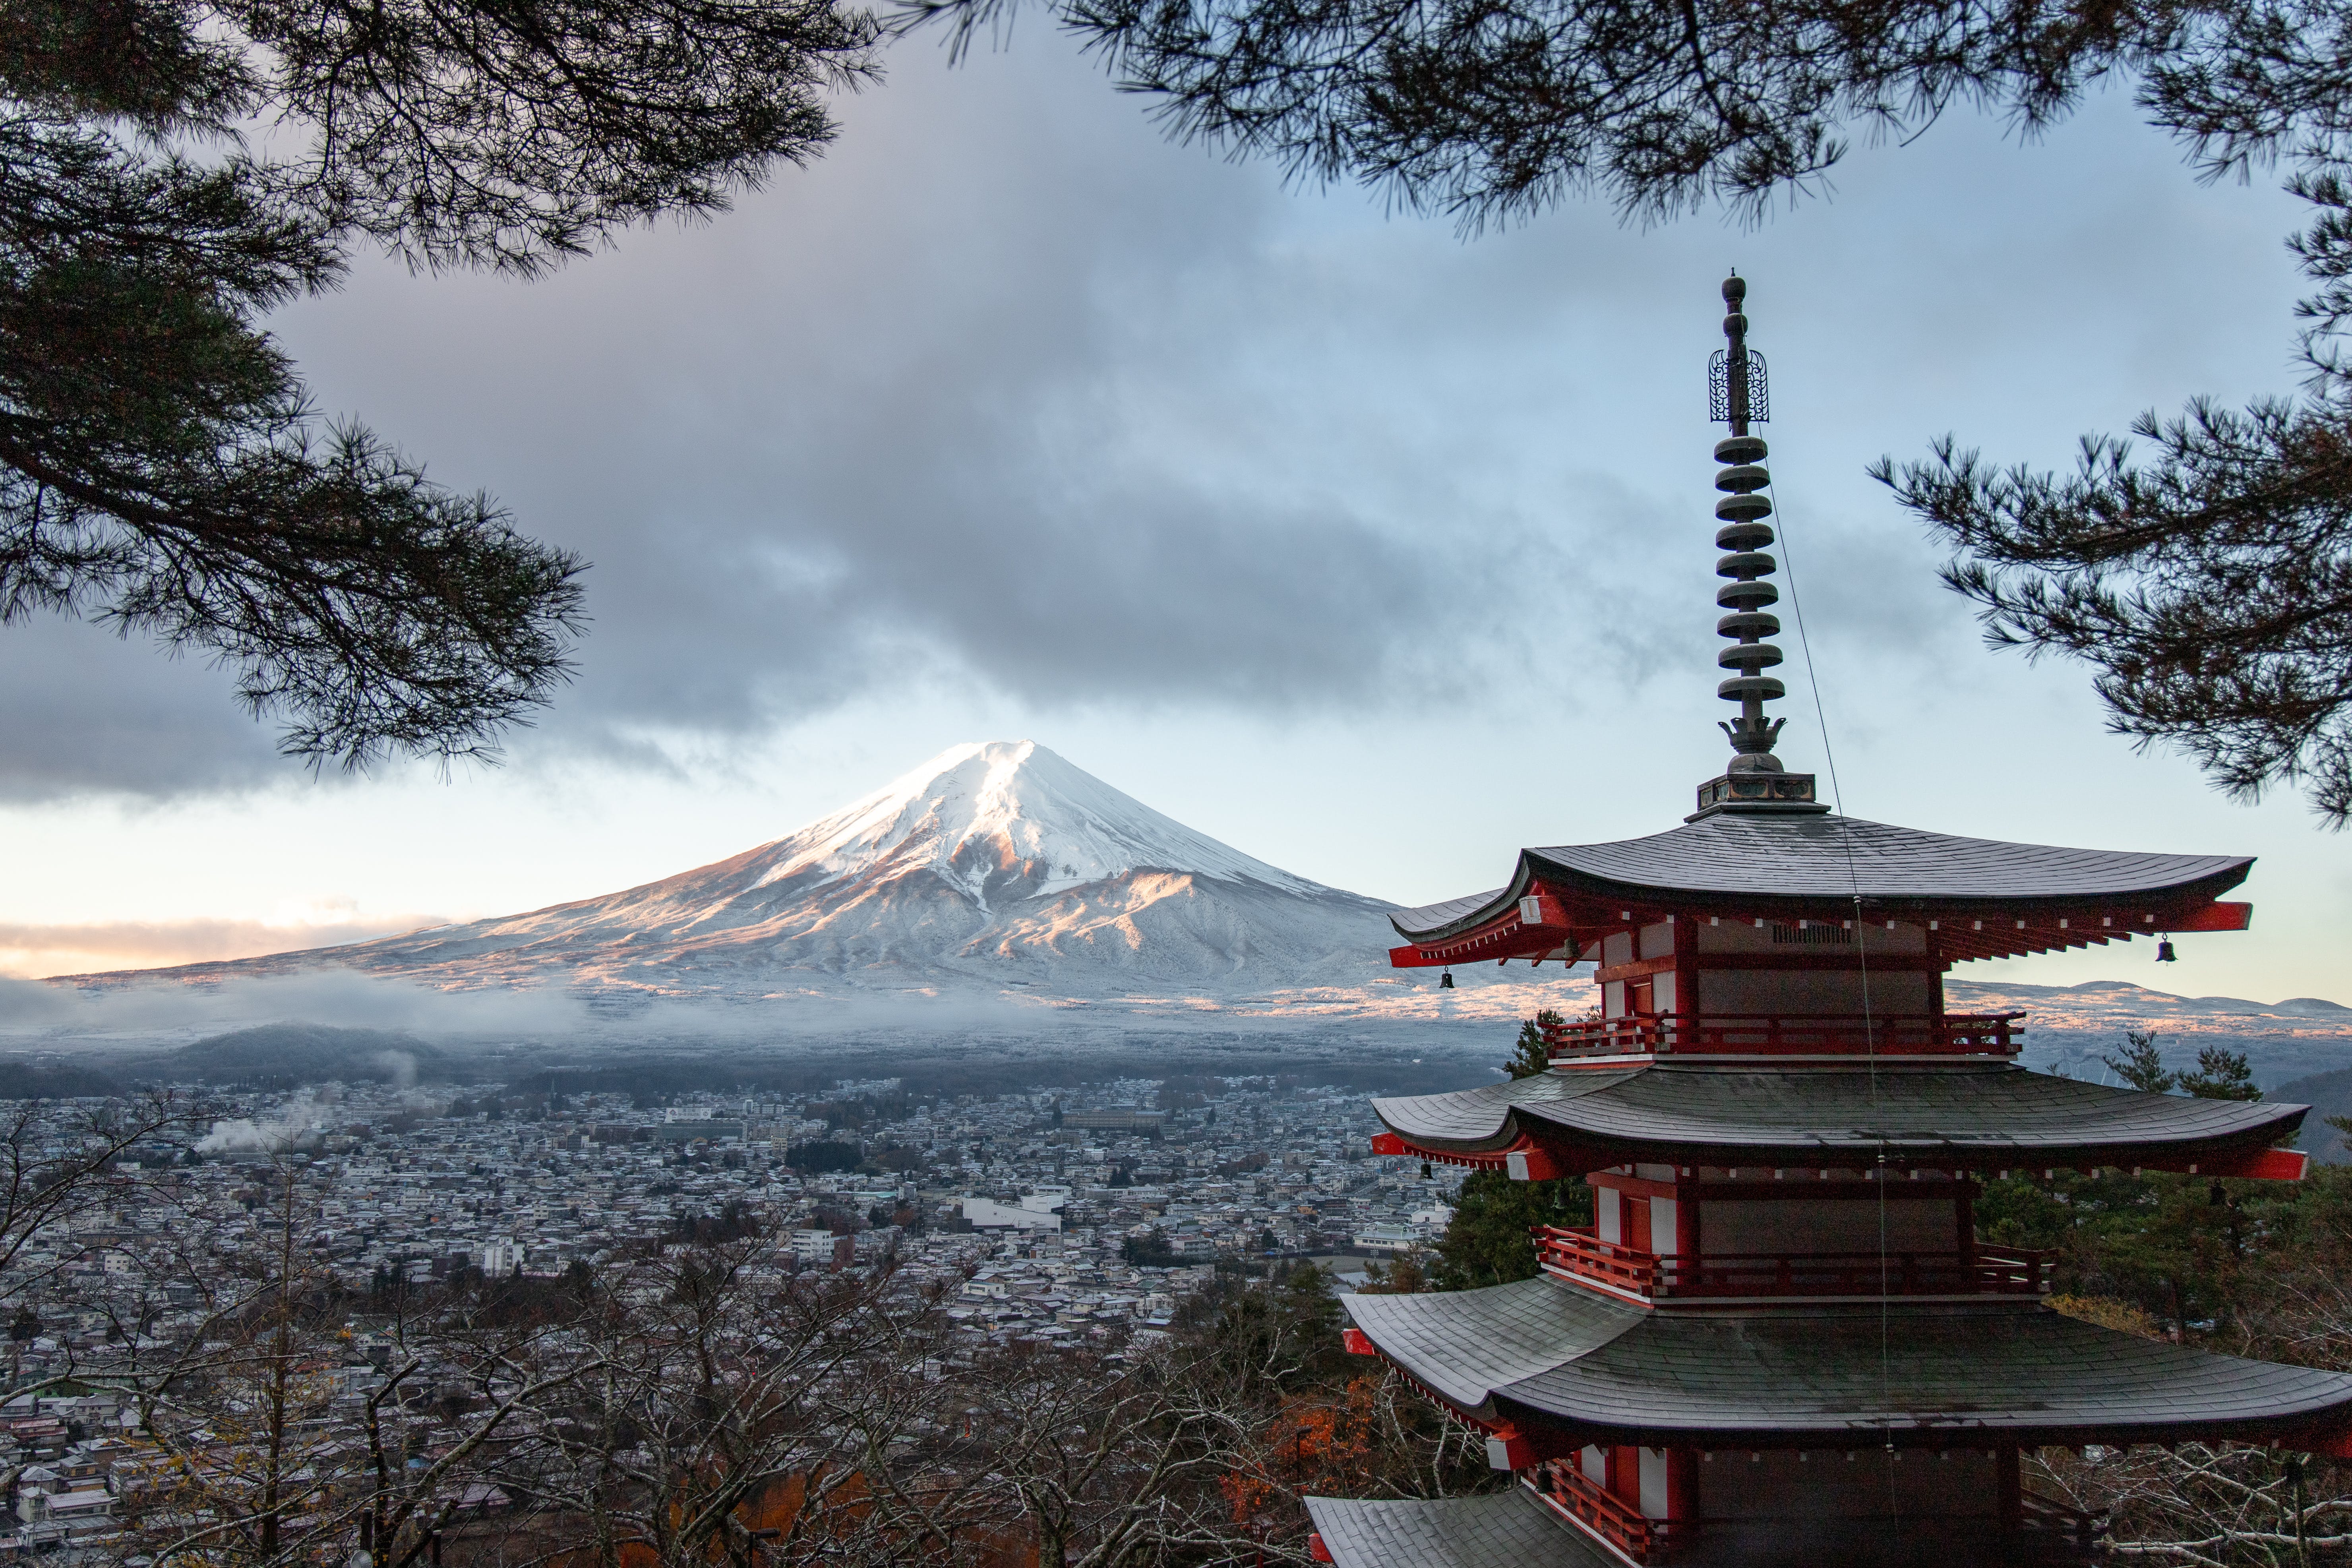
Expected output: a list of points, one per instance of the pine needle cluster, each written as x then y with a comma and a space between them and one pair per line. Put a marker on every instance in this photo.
172, 170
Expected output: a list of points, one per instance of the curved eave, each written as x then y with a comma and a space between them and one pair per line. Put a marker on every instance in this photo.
1970, 1117
1500, 1530
2030, 898
1550, 1358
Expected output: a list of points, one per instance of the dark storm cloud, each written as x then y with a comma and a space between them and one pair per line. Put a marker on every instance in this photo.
1008, 396
1035, 453
84, 711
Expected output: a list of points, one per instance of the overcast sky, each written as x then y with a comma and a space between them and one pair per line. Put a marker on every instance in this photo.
1374, 550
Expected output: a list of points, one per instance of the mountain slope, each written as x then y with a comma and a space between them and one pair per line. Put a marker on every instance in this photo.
989, 865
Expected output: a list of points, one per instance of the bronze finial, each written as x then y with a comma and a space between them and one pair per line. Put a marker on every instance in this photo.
1736, 387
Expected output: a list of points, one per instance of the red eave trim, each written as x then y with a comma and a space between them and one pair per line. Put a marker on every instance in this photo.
1541, 1162
1567, 926
1397, 1143
2257, 1164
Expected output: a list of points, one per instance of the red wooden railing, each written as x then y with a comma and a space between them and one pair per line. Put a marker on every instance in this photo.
1601, 1510
1582, 1252
2047, 1516
1994, 1271
1658, 1034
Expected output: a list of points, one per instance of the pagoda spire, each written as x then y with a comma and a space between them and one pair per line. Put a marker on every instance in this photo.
1754, 779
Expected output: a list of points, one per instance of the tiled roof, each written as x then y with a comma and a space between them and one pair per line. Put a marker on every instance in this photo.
1836, 857
1975, 1114
1502, 1530
1464, 1345
1913, 1372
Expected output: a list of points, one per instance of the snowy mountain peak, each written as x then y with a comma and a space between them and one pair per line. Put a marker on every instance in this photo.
989, 866
978, 811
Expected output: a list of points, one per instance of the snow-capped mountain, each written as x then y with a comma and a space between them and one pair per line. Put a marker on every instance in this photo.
991, 865
1007, 820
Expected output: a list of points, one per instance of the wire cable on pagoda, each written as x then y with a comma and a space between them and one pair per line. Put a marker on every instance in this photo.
1861, 946
1861, 954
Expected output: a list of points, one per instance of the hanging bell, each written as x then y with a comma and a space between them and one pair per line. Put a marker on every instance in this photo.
1446, 980
2164, 953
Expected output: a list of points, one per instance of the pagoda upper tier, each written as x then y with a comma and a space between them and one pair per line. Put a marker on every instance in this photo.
1964, 898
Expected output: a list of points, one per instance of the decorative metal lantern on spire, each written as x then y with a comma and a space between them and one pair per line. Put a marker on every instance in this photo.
1754, 781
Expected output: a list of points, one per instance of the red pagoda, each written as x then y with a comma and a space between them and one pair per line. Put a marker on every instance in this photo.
1781, 1342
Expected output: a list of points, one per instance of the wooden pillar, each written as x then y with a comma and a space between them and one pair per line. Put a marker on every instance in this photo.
1685, 968
1682, 1485
2012, 1490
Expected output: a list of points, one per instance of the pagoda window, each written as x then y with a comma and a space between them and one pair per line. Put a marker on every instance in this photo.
1653, 1491
1740, 1227
1904, 941
1664, 1222
1817, 1485
1813, 993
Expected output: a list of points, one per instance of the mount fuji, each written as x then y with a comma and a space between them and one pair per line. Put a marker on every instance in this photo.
997, 867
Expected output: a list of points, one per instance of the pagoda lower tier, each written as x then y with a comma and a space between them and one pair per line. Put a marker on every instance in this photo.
1781, 1340
1782, 1302
1842, 1520
1885, 1432
1558, 1367
1899, 1114
1511, 1528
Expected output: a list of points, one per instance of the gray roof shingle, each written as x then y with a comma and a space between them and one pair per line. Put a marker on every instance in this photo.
1502, 1530
1799, 859
1915, 1373
1975, 1115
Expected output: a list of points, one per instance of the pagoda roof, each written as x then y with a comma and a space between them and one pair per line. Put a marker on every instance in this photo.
1499, 1529
1544, 1354
1804, 866
1973, 1115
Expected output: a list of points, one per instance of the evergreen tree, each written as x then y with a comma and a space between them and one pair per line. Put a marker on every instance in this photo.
161, 468
2221, 1075
1534, 1054
1150, 1250
1402, 1274
1488, 1241
2141, 1065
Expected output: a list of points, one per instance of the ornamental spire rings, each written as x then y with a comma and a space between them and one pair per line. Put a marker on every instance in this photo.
1738, 398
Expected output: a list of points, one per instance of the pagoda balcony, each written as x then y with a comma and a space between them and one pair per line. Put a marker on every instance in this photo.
1580, 1254
2067, 1534
2046, 1531
1572, 1492
1788, 1033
